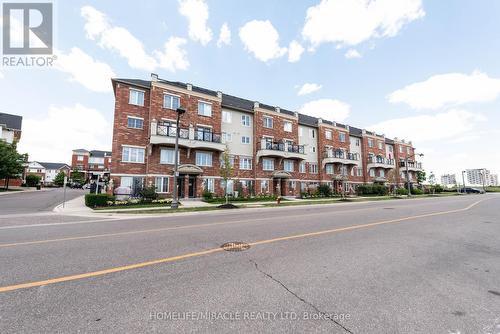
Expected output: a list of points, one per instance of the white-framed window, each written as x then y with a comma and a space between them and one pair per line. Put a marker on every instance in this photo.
380, 145
342, 137
136, 97
267, 164
245, 163
227, 137
328, 134
382, 173
226, 116
288, 165
204, 109
203, 158
301, 131
312, 133
161, 184
267, 122
135, 122
400, 149
171, 101
245, 140
287, 126
79, 158
264, 186
313, 168
313, 149
360, 171
126, 181
370, 142
372, 172
302, 167
358, 142
245, 120
329, 169
209, 184
132, 154
167, 156
408, 150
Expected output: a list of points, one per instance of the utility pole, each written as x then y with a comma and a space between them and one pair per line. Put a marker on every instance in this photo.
463, 181
484, 179
408, 174
175, 195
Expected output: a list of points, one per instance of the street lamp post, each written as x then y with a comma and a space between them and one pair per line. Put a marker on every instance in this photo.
483, 174
463, 181
175, 197
408, 174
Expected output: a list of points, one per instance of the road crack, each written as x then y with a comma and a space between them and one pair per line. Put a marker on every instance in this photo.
324, 314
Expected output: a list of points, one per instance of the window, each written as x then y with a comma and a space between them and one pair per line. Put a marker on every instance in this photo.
288, 165
328, 134
380, 145
171, 102
370, 142
231, 161
268, 122
136, 97
312, 133
357, 142
301, 131
229, 186
161, 183
372, 172
313, 168
360, 171
227, 137
264, 186
79, 158
245, 140
204, 159
382, 173
245, 163
267, 164
245, 120
342, 137
390, 148
126, 181
287, 126
408, 150
204, 109
400, 149
132, 154
329, 169
167, 156
209, 184
226, 116
302, 167
313, 149
134, 122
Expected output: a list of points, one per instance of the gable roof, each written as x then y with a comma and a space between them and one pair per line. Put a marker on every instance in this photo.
13, 122
234, 102
53, 165
308, 120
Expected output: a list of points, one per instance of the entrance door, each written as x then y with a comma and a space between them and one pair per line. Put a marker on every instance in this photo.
180, 186
192, 186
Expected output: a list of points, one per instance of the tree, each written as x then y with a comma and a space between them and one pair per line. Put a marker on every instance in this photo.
432, 181
32, 180
77, 176
392, 180
226, 169
11, 162
420, 177
59, 180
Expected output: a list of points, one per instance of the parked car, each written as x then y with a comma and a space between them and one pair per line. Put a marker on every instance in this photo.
86, 186
470, 190
76, 185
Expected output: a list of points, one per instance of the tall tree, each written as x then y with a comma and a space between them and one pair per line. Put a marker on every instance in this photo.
226, 169
11, 162
59, 179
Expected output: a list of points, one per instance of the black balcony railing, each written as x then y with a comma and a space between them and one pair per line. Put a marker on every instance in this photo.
411, 164
169, 131
277, 146
207, 135
340, 154
381, 160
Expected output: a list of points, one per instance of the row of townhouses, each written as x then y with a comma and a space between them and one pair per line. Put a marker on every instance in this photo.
273, 150
47, 171
92, 164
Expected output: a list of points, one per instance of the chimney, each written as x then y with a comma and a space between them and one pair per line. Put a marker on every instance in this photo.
334, 123
256, 104
296, 114
320, 120
277, 109
189, 86
219, 94
347, 127
154, 77
363, 131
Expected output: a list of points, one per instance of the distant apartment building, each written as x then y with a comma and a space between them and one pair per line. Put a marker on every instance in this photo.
92, 164
448, 180
494, 180
10, 127
47, 171
273, 150
480, 177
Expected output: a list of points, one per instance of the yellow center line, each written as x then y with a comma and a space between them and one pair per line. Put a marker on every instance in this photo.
215, 250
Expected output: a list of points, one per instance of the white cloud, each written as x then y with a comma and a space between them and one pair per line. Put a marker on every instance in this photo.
327, 109
424, 128
262, 40
224, 36
309, 88
295, 51
53, 136
352, 53
350, 22
92, 74
118, 39
174, 57
196, 11
448, 89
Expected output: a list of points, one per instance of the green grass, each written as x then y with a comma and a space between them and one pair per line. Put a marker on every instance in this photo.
133, 206
493, 189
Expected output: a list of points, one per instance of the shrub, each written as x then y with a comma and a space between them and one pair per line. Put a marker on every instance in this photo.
372, 189
97, 200
324, 190
379, 189
207, 195
402, 191
148, 193
416, 191
32, 180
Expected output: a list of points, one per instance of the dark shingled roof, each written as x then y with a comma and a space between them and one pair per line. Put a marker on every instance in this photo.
308, 120
357, 132
13, 122
135, 82
53, 165
100, 154
184, 85
389, 141
230, 101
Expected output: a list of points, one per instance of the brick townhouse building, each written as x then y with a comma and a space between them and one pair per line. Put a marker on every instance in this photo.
10, 132
91, 163
273, 150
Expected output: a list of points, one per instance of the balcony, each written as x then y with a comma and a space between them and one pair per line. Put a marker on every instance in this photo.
281, 150
340, 157
188, 137
412, 165
381, 162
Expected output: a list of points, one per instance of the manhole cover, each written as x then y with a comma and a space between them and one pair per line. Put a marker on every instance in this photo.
235, 246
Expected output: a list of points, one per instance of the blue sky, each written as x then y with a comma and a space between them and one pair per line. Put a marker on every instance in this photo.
426, 71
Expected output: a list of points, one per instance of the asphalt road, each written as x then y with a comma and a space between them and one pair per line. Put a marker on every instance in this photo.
402, 266
19, 202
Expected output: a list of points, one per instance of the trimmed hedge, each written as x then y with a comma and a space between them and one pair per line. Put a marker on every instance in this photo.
402, 191
372, 189
97, 200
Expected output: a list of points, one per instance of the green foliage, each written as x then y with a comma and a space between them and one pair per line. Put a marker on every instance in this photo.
402, 191
372, 189
207, 195
226, 169
492, 189
77, 177
59, 180
11, 162
97, 200
324, 190
32, 180
420, 177
416, 191
218, 200
148, 193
